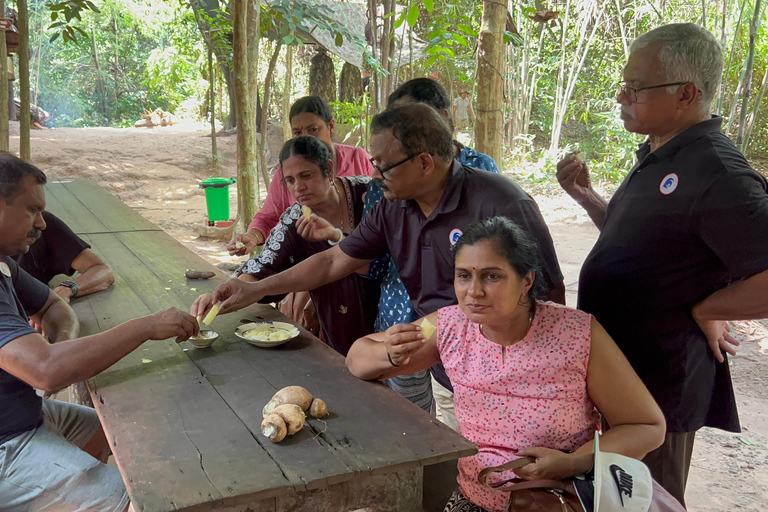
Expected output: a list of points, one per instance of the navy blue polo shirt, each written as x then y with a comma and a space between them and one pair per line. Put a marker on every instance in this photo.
421, 247
689, 219
20, 295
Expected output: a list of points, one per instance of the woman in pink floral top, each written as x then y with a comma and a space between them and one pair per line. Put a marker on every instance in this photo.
529, 377
309, 115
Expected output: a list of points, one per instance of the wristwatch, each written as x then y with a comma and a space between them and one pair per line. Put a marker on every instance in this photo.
72, 286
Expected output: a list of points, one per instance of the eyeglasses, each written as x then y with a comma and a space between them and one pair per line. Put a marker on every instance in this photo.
631, 92
390, 167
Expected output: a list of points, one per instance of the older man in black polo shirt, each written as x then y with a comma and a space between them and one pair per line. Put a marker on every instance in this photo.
683, 245
430, 200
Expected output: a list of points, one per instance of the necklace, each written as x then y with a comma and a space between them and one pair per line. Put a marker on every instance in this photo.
340, 203
531, 314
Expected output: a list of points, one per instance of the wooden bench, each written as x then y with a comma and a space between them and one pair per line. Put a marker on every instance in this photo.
184, 424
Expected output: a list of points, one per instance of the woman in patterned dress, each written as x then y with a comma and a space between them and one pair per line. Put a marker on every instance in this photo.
346, 308
529, 376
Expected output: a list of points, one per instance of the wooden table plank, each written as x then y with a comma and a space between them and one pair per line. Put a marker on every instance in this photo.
205, 454
89, 208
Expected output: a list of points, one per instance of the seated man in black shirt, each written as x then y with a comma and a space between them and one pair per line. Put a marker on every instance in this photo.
52, 453
59, 250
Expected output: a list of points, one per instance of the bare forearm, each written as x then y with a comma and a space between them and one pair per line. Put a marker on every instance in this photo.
258, 236
746, 300
321, 269
367, 360
636, 441
95, 279
80, 359
596, 207
60, 322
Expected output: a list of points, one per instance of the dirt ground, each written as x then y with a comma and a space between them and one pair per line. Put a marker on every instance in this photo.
157, 172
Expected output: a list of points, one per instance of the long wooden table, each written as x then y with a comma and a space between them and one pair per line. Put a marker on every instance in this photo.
184, 423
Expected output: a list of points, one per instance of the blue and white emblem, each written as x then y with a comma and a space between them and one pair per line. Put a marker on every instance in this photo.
455, 235
668, 184
5, 269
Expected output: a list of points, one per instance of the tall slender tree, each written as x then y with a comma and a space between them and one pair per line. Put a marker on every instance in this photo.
490, 80
247, 17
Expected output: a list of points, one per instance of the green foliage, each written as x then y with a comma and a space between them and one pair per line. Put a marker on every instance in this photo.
355, 115
150, 56
68, 11
281, 18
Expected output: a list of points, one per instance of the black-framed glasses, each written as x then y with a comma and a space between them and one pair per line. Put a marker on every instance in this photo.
631, 92
390, 167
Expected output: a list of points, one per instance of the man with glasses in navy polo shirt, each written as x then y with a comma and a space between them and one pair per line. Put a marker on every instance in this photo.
683, 243
430, 199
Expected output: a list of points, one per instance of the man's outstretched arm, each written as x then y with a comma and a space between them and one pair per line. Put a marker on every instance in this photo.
318, 270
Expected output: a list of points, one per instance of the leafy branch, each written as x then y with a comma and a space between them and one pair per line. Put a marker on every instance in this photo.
62, 15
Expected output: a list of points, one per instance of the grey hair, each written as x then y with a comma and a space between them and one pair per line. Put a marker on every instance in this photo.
688, 52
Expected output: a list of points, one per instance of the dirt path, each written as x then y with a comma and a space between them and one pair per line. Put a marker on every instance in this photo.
157, 172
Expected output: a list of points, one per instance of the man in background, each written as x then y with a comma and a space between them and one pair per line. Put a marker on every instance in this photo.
59, 251
462, 111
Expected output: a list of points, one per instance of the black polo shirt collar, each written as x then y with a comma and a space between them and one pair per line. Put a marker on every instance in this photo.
449, 201
670, 149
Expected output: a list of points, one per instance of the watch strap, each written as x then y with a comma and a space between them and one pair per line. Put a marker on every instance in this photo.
72, 286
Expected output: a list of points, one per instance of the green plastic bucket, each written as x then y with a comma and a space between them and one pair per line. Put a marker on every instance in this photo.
217, 197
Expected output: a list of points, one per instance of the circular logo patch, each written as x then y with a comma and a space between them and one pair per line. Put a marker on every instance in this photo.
668, 184
455, 235
4, 269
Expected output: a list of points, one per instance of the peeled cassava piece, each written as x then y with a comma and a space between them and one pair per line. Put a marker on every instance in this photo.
306, 211
427, 328
581, 157
212, 314
318, 409
292, 415
274, 428
296, 395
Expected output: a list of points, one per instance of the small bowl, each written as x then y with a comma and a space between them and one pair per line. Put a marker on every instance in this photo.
290, 332
205, 339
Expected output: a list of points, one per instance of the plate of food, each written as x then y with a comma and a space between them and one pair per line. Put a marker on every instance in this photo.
267, 334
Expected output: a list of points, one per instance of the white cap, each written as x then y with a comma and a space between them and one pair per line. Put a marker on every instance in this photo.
622, 484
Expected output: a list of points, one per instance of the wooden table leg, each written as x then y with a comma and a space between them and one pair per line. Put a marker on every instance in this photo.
78, 394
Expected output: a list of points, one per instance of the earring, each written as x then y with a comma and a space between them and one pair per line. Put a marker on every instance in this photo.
526, 302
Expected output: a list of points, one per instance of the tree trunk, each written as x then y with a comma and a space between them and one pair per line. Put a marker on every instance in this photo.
576, 66
754, 26
3, 88
322, 77
24, 147
287, 132
755, 111
490, 59
99, 77
350, 83
212, 95
387, 42
212, 9
373, 85
247, 183
727, 68
265, 115
117, 65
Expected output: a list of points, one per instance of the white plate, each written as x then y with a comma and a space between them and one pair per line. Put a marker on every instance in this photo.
290, 330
